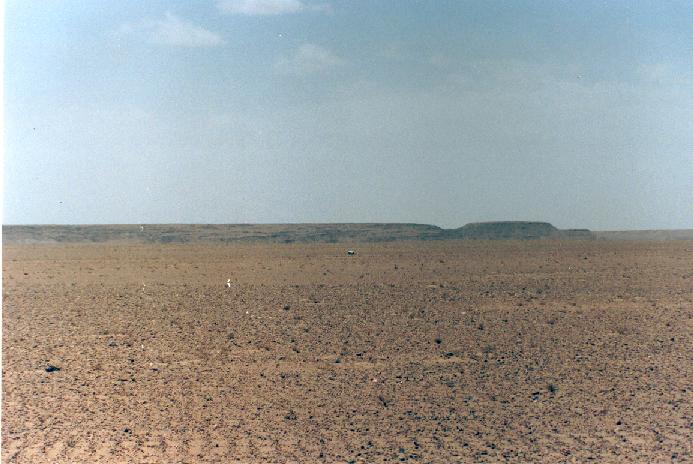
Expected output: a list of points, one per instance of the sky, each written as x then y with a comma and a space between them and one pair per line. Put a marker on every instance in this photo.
276, 111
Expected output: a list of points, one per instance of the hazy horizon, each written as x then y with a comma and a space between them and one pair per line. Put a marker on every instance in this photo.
137, 224
298, 111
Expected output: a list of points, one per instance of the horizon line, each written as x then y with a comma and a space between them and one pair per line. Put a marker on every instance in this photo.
318, 223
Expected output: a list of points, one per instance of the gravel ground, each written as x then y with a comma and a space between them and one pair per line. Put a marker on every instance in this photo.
452, 351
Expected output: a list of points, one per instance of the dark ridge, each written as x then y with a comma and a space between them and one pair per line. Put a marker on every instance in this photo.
217, 233
283, 233
504, 230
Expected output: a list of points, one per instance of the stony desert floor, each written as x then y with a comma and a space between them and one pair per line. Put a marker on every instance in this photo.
454, 351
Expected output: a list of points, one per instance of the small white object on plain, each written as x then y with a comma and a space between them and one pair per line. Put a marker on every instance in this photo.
228, 283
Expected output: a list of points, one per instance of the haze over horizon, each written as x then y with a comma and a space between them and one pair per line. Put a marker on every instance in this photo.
298, 111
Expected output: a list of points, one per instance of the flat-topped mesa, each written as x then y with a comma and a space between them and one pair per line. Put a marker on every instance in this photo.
504, 230
284, 233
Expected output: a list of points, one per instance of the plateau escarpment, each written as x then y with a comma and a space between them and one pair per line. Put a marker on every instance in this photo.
283, 233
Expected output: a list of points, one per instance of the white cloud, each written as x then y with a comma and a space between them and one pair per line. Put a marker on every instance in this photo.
309, 59
267, 7
171, 30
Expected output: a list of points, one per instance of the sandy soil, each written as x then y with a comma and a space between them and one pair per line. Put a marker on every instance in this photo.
421, 352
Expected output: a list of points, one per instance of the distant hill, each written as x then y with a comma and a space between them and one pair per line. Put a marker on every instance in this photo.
503, 230
218, 233
307, 233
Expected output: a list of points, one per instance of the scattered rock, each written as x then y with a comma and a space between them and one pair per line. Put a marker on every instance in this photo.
51, 368
287, 307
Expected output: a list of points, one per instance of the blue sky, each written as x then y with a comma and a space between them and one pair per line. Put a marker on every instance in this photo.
441, 112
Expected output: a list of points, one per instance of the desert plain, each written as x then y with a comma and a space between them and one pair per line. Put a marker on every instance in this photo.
443, 351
